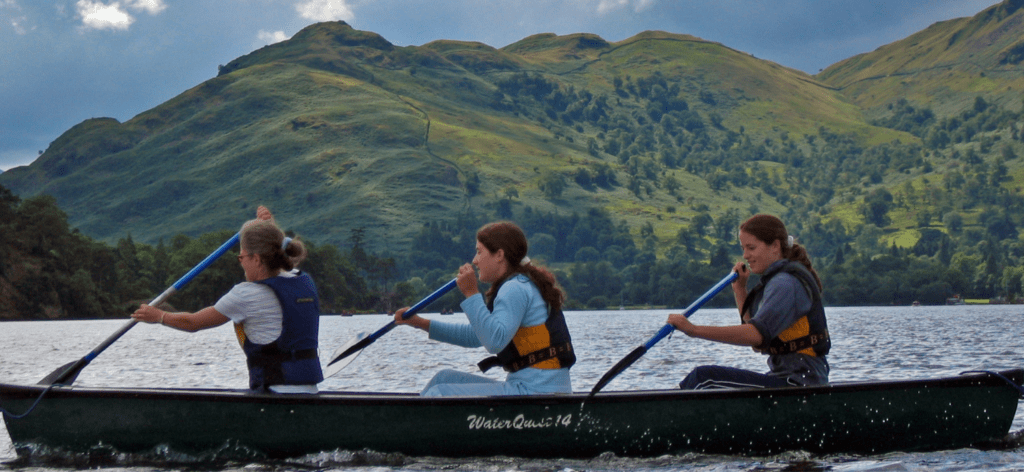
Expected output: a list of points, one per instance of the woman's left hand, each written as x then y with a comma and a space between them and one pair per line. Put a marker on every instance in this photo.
681, 323
148, 314
415, 321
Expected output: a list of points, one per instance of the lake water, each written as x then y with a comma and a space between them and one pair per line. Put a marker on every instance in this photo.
871, 343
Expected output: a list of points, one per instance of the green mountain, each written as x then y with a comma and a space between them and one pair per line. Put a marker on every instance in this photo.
339, 129
945, 66
629, 164
676, 137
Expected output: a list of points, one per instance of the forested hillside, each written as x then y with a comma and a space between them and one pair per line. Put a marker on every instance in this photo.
628, 164
343, 130
49, 270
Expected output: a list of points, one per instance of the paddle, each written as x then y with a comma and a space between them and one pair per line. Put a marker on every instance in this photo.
359, 342
664, 331
66, 374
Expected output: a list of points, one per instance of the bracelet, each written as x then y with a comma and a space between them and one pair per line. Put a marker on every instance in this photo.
162, 317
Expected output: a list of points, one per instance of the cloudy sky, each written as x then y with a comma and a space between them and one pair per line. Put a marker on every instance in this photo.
64, 61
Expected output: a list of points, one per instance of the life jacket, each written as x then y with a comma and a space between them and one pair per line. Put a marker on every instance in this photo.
292, 358
809, 334
545, 346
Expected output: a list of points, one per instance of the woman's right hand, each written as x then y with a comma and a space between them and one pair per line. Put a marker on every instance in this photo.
743, 273
467, 280
263, 213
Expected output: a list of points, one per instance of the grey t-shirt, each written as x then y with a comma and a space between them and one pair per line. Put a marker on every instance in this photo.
783, 301
255, 307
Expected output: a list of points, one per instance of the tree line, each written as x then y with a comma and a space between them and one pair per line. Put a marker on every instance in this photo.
56, 271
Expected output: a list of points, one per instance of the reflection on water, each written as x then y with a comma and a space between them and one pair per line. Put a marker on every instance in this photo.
868, 343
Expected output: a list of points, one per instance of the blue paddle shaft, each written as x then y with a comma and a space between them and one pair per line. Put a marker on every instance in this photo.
167, 293
84, 361
415, 308
667, 329
361, 344
430, 299
206, 262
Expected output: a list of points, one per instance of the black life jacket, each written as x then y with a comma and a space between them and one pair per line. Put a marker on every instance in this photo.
545, 346
809, 334
292, 358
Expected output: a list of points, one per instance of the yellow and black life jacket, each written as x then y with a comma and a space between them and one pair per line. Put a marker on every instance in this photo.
545, 346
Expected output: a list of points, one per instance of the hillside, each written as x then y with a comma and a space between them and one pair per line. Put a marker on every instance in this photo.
340, 129
944, 66
629, 164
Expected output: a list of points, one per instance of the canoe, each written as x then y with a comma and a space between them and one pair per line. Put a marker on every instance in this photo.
848, 417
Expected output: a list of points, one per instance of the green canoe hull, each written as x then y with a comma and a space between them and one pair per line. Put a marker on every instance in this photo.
855, 417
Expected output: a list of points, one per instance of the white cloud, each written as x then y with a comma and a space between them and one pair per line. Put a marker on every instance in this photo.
271, 37
325, 10
606, 6
641, 5
18, 24
150, 6
14, 16
98, 15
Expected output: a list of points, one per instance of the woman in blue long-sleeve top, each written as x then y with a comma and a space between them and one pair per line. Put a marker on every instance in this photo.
519, 320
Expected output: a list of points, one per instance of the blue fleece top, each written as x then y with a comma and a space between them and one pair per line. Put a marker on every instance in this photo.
517, 304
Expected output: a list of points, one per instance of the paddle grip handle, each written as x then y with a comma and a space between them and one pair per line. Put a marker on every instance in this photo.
667, 329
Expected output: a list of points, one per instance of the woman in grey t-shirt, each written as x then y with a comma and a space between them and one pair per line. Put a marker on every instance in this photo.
255, 307
782, 316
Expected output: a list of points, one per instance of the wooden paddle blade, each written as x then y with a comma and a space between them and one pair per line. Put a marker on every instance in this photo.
618, 368
344, 355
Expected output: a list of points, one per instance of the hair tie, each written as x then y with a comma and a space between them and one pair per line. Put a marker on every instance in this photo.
284, 244
525, 261
789, 241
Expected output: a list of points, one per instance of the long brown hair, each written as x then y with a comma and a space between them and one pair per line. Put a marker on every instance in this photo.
768, 228
508, 237
263, 237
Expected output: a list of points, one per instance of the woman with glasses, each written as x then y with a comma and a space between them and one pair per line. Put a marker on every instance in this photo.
275, 311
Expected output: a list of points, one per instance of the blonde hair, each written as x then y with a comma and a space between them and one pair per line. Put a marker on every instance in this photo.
265, 238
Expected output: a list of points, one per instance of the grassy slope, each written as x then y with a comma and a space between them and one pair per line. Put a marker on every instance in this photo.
337, 129
946, 65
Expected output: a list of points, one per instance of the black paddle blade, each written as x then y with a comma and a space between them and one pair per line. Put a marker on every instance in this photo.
618, 368
65, 374
359, 346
